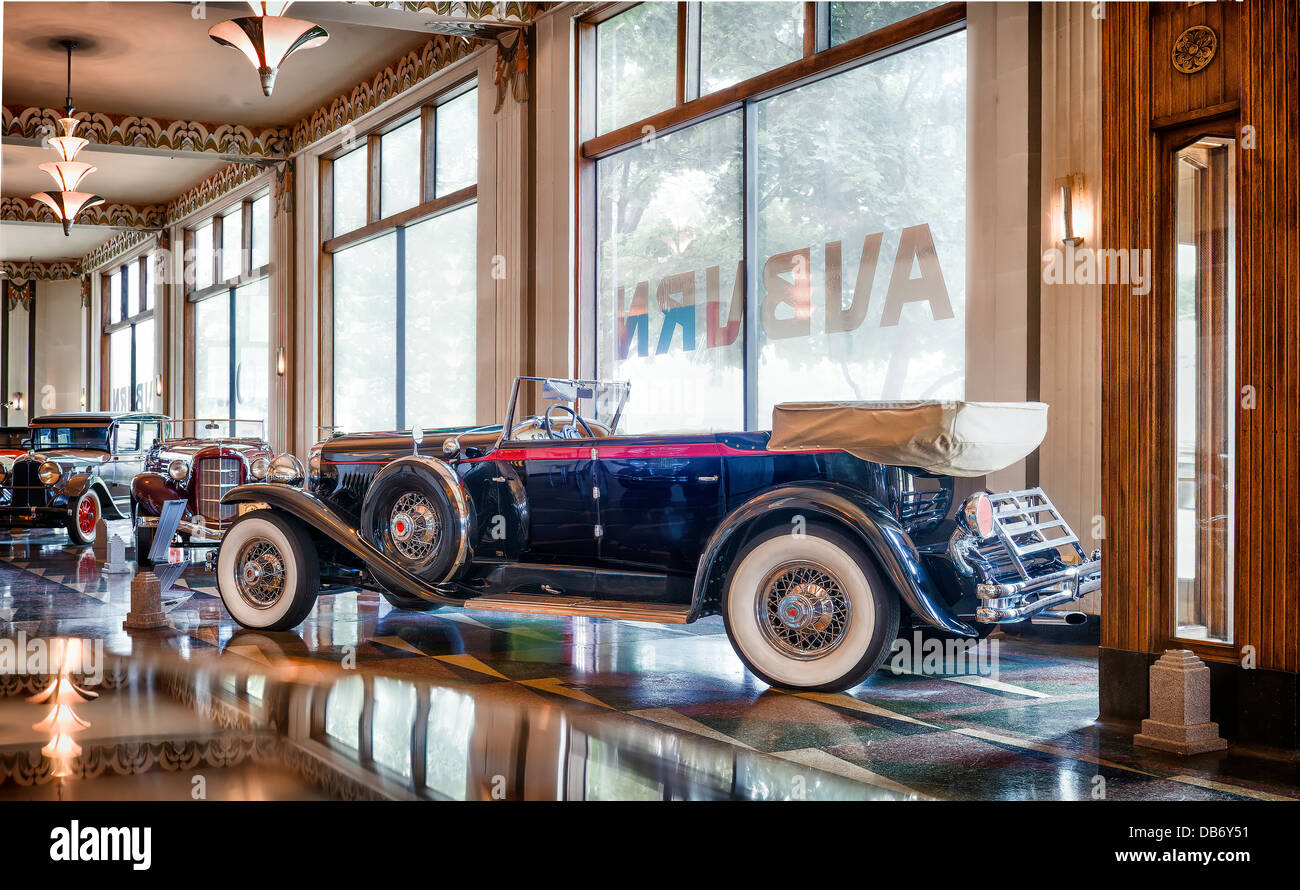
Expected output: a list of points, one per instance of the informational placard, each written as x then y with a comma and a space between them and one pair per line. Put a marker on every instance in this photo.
168, 521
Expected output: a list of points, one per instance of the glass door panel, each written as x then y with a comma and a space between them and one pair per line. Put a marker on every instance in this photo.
1204, 390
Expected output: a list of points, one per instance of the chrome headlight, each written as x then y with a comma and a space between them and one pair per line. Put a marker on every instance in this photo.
178, 469
50, 473
286, 469
259, 467
313, 464
976, 515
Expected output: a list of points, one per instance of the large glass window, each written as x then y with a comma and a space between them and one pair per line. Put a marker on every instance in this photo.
129, 311
1205, 389
858, 17
636, 74
232, 321
351, 177
404, 298
809, 245
742, 40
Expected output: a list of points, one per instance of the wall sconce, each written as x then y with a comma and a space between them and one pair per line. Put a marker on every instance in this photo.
280, 364
1065, 188
83, 397
17, 403
157, 385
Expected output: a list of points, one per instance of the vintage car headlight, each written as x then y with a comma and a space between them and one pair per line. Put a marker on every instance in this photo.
976, 515
286, 469
178, 469
259, 467
313, 464
49, 473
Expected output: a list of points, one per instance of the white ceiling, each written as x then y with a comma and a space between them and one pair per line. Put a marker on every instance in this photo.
156, 60
28, 241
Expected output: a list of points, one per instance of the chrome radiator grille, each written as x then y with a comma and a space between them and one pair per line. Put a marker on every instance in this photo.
28, 490
214, 476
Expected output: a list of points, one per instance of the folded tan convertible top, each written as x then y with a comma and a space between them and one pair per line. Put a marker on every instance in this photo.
951, 438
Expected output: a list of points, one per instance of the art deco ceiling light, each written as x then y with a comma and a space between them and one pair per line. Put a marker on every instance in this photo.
268, 38
67, 172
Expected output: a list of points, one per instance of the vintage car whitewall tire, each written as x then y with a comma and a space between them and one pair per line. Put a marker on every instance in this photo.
809, 611
268, 571
86, 511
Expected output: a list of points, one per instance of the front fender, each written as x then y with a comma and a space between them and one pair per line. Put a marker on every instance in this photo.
324, 519
83, 482
149, 491
875, 526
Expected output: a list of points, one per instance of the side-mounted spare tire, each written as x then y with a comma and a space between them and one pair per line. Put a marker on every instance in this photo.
417, 515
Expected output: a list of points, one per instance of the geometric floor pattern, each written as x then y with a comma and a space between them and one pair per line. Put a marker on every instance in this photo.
1027, 733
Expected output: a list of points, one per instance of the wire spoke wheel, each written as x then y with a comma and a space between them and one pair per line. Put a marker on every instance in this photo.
87, 515
259, 568
414, 527
803, 610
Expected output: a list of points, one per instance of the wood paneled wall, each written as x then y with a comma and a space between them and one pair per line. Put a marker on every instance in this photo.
1251, 88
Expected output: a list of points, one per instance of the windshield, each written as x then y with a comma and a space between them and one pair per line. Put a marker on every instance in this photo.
46, 438
554, 408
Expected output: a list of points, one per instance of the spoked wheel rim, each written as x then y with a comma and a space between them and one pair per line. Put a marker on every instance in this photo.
259, 573
414, 527
87, 516
803, 610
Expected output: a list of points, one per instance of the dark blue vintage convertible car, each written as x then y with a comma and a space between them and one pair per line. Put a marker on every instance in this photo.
815, 541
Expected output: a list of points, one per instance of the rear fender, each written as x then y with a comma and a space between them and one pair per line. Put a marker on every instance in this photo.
325, 520
877, 529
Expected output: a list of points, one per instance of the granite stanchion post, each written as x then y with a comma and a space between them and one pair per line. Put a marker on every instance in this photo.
1180, 707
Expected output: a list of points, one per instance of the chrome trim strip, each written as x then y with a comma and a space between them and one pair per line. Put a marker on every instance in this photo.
193, 529
1006, 603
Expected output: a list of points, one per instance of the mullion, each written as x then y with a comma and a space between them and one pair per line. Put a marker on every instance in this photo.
231, 384
401, 327
749, 250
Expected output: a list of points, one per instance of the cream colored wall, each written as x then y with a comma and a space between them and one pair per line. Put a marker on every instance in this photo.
16, 360
1070, 459
59, 354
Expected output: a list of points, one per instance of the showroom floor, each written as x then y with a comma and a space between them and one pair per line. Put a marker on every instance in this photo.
1029, 733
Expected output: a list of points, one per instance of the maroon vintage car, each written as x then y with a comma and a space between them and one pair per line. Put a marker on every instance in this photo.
198, 469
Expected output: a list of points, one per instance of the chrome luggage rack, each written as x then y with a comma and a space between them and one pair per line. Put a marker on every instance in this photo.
1027, 528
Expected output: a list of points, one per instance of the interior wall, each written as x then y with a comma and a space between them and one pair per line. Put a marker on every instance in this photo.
16, 363
57, 385
1070, 332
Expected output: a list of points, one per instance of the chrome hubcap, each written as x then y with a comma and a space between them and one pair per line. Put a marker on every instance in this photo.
803, 610
259, 569
413, 526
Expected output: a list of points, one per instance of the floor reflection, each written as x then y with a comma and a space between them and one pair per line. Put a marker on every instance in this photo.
159, 729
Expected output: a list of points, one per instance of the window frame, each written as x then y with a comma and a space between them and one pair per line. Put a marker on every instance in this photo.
820, 60
377, 225
224, 287
148, 288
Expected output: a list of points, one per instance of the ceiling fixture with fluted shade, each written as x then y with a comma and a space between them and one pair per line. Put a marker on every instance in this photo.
268, 38
67, 173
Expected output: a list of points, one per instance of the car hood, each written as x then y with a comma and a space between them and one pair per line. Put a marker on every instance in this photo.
386, 446
68, 457
189, 448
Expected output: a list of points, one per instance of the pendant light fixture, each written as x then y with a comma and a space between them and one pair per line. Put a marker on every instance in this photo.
267, 38
68, 172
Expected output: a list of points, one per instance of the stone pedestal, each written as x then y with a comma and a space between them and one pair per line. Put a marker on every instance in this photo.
146, 603
1180, 707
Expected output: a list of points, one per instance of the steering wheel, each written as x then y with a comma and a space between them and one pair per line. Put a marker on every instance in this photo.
577, 419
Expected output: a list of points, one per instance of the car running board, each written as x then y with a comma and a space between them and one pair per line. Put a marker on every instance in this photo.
661, 613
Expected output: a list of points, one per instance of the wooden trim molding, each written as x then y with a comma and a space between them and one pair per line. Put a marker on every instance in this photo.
378, 227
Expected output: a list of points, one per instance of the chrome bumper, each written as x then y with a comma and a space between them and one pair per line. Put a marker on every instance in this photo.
193, 529
1018, 600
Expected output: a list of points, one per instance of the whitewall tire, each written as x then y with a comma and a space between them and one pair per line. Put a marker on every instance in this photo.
809, 611
268, 571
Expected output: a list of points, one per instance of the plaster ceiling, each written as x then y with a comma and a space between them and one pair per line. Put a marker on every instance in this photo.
23, 241
121, 178
156, 60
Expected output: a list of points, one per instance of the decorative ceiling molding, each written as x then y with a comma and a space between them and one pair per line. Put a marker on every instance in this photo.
225, 180
130, 216
53, 270
483, 11
406, 72
147, 132
114, 248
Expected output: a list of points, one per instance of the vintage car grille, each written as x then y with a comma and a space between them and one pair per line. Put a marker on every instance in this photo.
28, 490
921, 510
214, 476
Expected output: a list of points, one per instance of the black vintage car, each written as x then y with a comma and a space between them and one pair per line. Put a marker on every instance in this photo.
79, 468
814, 541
